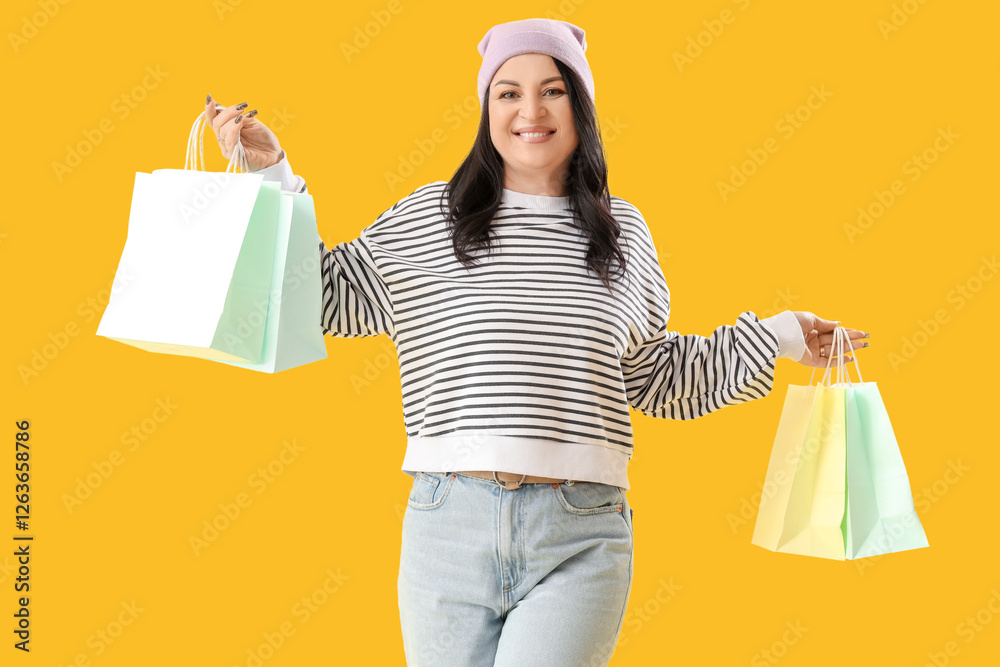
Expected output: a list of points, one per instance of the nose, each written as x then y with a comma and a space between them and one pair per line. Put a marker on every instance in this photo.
532, 108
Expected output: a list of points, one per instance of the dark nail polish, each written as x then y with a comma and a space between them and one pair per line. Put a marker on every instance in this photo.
241, 106
208, 100
867, 334
866, 344
239, 118
252, 114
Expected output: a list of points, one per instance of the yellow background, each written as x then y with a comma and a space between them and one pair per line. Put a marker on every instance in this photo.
672, 134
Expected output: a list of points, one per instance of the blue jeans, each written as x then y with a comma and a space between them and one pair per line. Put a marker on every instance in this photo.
492, 577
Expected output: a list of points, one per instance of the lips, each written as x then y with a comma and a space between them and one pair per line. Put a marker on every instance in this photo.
534, 134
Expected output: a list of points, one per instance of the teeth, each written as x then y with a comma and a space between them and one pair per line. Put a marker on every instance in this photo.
533, 134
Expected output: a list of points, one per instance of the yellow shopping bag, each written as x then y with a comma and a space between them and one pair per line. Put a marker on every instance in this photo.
802, 508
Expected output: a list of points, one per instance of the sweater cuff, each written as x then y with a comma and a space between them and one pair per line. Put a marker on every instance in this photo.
281, 172
788, 331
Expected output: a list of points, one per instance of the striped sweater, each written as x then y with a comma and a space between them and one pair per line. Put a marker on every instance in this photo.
526, 363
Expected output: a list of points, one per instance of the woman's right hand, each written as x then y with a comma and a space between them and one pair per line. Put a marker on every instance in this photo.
259, 143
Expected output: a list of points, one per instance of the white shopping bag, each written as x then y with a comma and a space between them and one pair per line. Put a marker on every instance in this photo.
197, 262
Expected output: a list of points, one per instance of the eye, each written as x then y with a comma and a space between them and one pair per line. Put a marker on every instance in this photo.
511, 92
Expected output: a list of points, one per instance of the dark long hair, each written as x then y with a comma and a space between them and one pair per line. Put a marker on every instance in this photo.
475, 190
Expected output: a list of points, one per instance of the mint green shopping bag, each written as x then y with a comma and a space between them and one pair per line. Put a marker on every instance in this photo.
195, 272
880, 517
293, 332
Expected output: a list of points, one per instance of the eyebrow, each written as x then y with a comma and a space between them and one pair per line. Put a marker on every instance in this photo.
515, 83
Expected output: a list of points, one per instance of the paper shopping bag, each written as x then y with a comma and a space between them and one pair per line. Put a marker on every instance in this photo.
785, 454
880, 514
847, 469
802, 507
293, 332
196, 264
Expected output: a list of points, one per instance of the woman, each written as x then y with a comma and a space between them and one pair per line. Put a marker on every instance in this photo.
528, 311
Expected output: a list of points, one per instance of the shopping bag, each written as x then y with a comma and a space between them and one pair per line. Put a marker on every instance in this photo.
196, 267
880, 516
802, 504
293, 333
849, 470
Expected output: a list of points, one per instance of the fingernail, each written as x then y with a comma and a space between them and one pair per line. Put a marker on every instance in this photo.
867, 334
241, 106
252, 114
866, 344
239, 118
208, 99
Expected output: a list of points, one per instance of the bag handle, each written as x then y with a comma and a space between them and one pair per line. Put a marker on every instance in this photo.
237, 163
840, 339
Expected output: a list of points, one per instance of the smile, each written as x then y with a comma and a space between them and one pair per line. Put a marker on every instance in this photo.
535, 137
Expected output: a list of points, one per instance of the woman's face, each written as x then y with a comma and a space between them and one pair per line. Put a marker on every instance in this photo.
528, 92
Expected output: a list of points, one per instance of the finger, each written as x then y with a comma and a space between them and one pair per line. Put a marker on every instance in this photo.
210, 109
845, 354
225, 115
827, 351
827, 339
231, 130
228, 133
825, 354
824, 362
851, 333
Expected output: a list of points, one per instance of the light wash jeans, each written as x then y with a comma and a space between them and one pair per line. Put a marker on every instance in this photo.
538, 575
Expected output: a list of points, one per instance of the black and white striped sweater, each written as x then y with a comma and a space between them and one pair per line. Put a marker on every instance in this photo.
526, 363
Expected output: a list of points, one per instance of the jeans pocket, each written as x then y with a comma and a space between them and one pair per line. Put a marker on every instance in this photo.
589, 497
429, 490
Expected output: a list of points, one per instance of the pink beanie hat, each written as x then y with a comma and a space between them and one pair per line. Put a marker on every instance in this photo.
558, 39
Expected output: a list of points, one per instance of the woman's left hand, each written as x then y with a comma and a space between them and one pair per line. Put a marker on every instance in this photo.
819, 340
